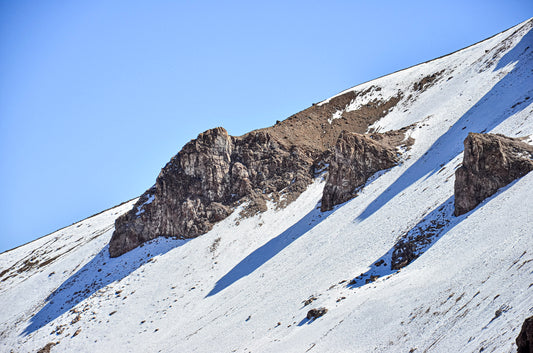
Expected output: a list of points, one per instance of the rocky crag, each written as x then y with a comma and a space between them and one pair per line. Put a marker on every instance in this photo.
524, 341
355, 159
213, 174
203, 183
216, 172
490, 162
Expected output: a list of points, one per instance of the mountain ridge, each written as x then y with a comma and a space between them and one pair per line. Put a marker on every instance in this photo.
310, 136
258, 277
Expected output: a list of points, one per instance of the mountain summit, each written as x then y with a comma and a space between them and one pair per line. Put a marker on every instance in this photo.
395, 216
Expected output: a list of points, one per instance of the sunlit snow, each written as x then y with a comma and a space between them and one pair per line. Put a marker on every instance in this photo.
241, 287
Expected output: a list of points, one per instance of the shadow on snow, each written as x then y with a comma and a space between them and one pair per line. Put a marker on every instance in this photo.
270, 249
420, 238
95, 275
492, 109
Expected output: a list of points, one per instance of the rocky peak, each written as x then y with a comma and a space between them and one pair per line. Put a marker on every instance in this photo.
204, 182
490, 162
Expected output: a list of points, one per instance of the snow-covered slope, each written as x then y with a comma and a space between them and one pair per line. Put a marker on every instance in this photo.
242, 286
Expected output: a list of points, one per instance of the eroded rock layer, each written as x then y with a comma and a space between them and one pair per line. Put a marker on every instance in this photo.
214, 173
490, 162
206, 179
356, 158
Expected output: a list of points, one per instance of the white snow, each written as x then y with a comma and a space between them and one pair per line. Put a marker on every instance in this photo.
140, 209
241, 286
336, 115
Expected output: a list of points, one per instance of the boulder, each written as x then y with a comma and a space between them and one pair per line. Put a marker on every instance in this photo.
356, 158
524, 341
490, 162
316, 313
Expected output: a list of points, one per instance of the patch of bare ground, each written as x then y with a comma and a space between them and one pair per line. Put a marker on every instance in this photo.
427, 81
47, 347
310, 129
413, 243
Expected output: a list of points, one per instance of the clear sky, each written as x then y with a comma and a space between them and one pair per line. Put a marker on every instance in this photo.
96, 96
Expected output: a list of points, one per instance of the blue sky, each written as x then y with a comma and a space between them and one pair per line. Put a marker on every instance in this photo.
96, 96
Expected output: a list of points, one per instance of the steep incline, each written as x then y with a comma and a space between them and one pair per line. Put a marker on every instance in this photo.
207, 179
214, 173
490, 163
248, 283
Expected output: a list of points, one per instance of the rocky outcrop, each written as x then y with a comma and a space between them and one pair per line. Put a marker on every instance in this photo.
356, 158
47, 348
318, 127
418, 239
490, 162
314, 314
214, 173
524, 341
204, 182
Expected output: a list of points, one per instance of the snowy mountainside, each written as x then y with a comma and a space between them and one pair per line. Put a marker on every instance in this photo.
242, 286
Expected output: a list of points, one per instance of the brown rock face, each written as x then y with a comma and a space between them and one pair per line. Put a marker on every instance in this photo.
490, 162
524, 341
316, 313
205, 180
356, 158
313, 128
212, 174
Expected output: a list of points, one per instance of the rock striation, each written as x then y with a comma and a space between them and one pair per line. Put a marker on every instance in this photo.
490, 162
204, 182
524, 341
355, 159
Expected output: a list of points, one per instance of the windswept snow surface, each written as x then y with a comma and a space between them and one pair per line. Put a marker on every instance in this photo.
241, 287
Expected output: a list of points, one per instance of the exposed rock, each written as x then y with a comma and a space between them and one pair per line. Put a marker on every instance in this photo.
373, 278
412, 244
314, 129
47, 348
524, 341
214, 173
316, 313
427, 81
309, 300
490, 162
418, 239
356, 158
203, 183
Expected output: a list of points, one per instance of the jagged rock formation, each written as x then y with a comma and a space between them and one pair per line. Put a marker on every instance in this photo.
490, 162
356, 158
206, 179
214, 173
524, 341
